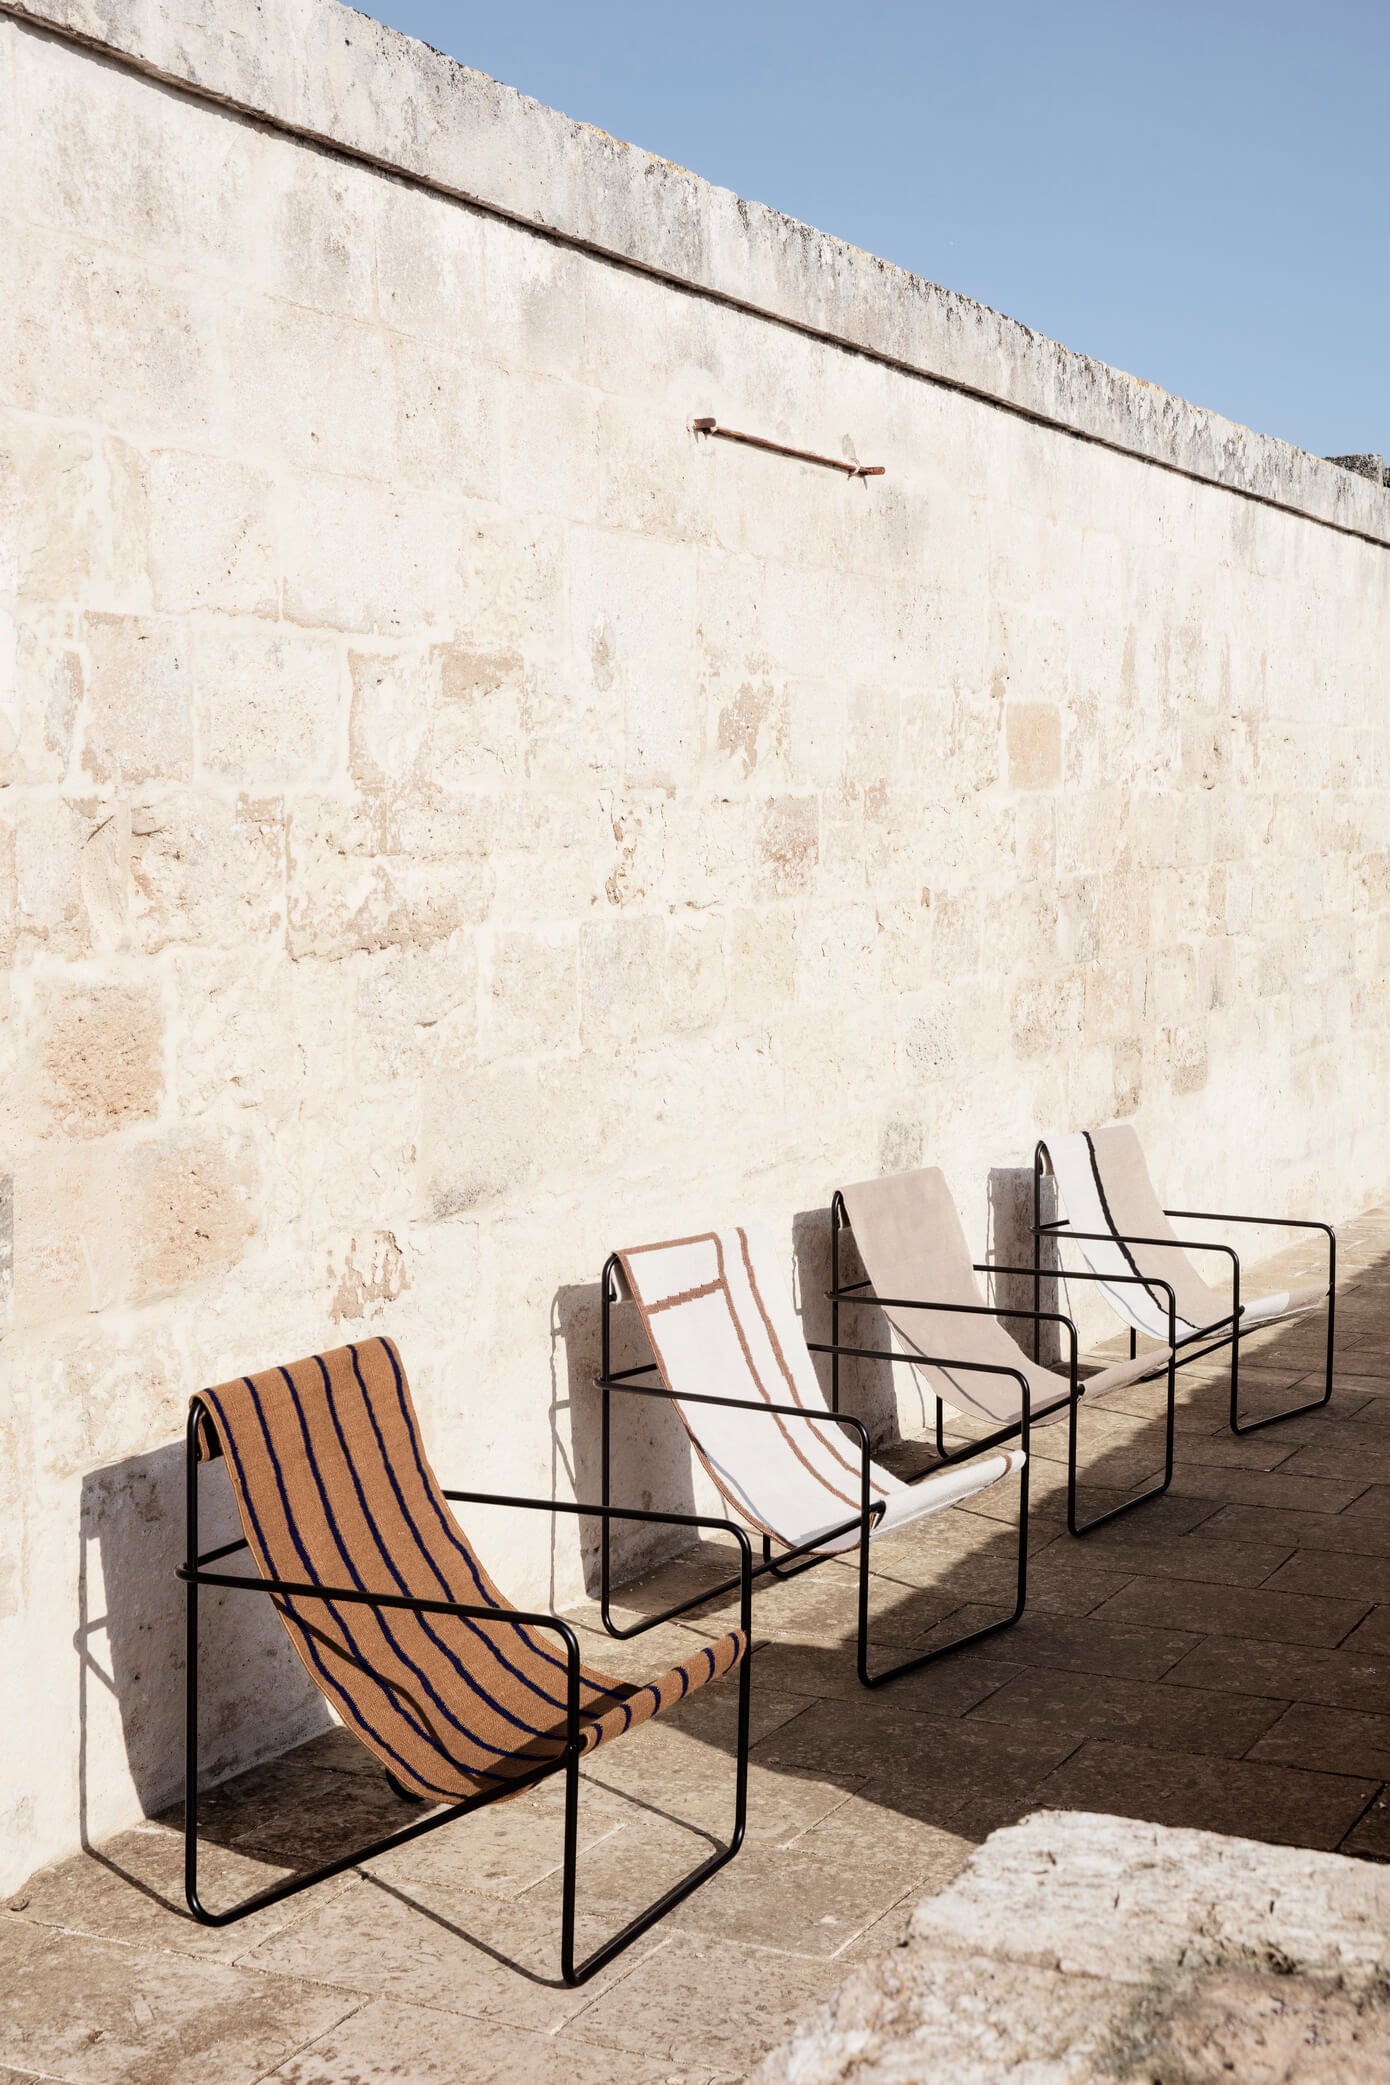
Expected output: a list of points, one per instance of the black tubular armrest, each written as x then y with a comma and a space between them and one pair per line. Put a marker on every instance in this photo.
1282, 1223
512, 1617
676, 1520
1143, 1281
975, 1310
738, 1404
1129, 1238
979, 1368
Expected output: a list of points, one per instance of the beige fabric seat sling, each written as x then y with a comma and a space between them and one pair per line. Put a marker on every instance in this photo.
1108, 1205
919, 1273
729, 1355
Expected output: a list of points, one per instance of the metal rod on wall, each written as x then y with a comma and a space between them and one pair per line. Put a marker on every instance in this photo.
758, 441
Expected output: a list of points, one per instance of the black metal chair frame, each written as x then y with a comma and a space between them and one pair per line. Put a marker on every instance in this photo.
1061, 1227
194, 1575
852, 1292
804, 1556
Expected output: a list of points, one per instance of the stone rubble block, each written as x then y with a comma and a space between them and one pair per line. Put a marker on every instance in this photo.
1087, 1950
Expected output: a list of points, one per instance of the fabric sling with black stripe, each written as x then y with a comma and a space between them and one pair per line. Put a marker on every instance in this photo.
333, 1488
1106, 1189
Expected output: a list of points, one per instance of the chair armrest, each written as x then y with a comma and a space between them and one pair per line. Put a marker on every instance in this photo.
675, 1520
872, 1510
979, 1368
1282, 1223
512, 1617
1130, 1238
1143, 1281
739, 1404
971, 1310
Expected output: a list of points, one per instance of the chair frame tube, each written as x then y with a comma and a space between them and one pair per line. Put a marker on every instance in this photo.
1061, 1227
804, 1556
851, 1292
194, 1574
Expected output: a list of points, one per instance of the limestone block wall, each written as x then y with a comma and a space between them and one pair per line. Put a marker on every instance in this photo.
457, 820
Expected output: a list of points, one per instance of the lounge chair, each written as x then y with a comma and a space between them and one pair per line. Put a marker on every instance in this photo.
919, 1273
463, 1698
1114, 1215
729, 1354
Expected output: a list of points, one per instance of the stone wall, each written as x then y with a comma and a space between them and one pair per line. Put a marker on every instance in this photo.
461, 820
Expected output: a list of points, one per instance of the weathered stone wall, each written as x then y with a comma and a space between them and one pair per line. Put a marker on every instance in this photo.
460, 821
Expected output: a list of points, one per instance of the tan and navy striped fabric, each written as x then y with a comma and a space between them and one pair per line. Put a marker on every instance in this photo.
333, 1487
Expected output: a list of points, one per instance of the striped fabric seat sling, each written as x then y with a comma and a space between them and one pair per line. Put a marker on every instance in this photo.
721, 1323
1105, 1187
333, 1488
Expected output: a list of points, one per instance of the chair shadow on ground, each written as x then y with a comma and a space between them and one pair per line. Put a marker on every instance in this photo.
937, 1579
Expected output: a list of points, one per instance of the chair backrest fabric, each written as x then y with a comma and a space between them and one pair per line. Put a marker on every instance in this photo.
909, 1236
721, 1323
331, 1480
1104, 1185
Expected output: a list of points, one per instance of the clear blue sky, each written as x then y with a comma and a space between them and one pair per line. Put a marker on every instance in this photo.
1196, 193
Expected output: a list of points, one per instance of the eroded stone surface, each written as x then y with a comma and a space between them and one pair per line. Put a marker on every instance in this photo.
1083, 1950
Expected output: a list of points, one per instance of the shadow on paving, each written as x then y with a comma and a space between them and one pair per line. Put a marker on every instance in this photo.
1219, 1659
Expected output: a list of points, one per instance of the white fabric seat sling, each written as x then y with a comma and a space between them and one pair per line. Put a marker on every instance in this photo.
919, 1273
1121, 1229
729, 1354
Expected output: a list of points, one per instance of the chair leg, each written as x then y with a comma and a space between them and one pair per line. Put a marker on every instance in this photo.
880, 1679
579, 1972
1313, 1404
1156, 1491
668, 1614
295, 1883
772, 1569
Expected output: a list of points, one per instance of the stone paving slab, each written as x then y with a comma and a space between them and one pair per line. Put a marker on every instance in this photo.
408, 2042
1284, 1805
97, 2013
1219, 1660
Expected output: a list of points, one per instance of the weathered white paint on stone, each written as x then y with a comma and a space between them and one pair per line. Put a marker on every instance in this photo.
456, 821
1082, 1950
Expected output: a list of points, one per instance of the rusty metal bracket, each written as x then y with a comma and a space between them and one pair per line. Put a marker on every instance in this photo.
758, 441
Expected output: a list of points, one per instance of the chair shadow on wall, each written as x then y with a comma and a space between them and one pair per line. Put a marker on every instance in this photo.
651, 1462
256, 1698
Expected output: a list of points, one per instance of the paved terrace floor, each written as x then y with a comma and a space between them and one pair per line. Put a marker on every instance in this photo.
1220, 1659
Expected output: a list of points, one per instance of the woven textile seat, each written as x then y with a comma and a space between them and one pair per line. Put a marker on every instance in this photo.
920, 1274
728, 1347
462, 1697
1122, 1230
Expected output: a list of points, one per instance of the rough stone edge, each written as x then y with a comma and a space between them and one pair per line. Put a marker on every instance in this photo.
1041, 1891
328, 72
1049, 1893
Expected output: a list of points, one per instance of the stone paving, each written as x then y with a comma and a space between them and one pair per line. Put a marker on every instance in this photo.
1219, 1660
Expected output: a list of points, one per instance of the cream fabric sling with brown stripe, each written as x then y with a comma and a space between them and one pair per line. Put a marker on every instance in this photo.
1105, 1186
721, 1323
